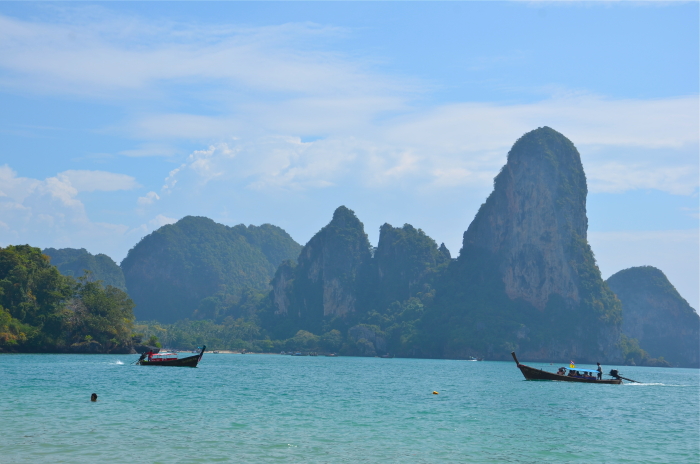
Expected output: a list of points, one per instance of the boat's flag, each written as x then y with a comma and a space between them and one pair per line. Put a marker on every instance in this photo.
571, 364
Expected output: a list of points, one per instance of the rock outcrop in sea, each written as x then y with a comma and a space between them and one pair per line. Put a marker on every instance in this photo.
653, 312
526, 277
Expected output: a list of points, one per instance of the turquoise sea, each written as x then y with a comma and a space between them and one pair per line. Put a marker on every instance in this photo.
272, 408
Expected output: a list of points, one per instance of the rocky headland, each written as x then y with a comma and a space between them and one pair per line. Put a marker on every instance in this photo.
654, 314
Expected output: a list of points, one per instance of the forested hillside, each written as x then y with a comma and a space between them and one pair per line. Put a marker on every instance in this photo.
74, 262
197, 268
44, 311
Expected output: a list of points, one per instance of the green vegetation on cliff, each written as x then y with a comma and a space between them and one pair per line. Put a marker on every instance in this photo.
74, 262
339, 285
170, 272
42, 310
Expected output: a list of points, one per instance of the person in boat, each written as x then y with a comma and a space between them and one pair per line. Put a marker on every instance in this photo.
600, 372
93, 397
150, 355
561, 371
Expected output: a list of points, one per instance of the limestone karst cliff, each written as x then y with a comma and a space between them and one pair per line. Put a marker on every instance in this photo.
339, 283
526, 277
653, 312
323, 282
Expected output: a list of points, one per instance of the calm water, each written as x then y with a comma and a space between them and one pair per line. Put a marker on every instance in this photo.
267, 408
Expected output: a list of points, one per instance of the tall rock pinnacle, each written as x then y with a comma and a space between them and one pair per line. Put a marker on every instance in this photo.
535, 219
323, 282
525, 261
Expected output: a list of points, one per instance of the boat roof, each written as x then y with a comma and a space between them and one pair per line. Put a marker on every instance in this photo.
581, 370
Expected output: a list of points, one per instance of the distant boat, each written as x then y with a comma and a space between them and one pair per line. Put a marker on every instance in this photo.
170, 359
574, 374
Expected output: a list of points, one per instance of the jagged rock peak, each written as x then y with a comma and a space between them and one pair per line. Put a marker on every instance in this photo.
535, 219
345, 217
324, 278
445, 252
656, 315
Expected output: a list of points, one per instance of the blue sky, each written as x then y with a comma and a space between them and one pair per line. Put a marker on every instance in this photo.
121, 117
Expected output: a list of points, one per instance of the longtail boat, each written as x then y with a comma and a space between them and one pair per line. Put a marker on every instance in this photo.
574, 375
170, 359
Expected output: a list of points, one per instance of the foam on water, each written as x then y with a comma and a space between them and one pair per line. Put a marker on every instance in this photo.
260, 408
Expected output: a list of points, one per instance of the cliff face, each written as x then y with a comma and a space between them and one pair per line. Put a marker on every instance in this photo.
323, 283
536, 211
528, 243
172, 270
657, 316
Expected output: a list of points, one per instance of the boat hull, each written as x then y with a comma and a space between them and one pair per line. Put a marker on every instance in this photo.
190, 361
531, 373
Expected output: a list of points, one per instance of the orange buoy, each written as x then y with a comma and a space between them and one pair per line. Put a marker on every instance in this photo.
435, 393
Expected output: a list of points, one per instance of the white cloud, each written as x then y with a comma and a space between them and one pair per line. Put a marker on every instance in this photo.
148, 199
91, 181
101, 53
48, 213
467, 144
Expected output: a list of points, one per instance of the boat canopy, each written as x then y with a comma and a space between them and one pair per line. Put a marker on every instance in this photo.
582, 370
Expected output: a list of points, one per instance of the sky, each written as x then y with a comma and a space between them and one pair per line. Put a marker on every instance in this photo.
120, 117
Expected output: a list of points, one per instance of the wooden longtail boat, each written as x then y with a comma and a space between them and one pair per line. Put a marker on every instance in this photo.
164, 359
531, 373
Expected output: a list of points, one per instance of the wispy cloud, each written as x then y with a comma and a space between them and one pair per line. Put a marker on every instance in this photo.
90, 181
96, 55
468, 143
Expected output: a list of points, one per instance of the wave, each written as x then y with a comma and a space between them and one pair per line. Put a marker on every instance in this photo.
656, 384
